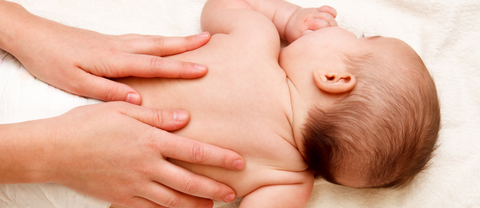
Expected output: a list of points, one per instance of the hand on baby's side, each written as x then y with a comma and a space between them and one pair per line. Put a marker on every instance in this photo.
77, 61
80, 61
118, 152
306, 20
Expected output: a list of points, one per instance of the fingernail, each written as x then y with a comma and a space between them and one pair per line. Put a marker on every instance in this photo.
133, 98
238, 164
229, 198
203, 34
180, 115
200, 67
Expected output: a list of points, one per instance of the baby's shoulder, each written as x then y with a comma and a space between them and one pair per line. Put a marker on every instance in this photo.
255, 31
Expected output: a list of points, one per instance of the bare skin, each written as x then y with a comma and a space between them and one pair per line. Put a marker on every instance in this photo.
255, 99
76, 60
116, 145
243, 103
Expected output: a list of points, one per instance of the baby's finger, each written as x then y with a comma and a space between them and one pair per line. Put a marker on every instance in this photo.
329, 10
153, 66
163, 46
316, 24
327, 17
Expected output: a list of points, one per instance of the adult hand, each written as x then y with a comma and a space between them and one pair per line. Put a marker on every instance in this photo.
112, 152
76, 60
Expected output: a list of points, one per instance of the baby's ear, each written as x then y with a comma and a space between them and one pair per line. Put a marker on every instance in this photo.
334, 82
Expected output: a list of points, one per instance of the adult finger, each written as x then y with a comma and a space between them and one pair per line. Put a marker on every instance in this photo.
191, 151
163, 46
153, 66
141, 202
168, 120
198, 152
167, 197
103, 89
192, 184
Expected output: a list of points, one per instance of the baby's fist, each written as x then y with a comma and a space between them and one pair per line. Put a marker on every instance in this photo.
307, 20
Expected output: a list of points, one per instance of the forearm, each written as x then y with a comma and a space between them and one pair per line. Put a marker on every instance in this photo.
24, 149
20, 30
13, 19
279, 11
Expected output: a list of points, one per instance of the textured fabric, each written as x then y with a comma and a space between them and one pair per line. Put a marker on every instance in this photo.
445, 33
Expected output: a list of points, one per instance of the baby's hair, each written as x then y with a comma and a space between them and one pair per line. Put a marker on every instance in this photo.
383, 132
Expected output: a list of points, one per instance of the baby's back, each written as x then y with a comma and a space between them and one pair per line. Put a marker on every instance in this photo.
242, 104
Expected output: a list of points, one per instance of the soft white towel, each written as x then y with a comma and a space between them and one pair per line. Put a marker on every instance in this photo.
445, 33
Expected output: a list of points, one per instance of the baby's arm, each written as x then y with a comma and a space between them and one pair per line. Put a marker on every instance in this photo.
291, 20
245, 27
281, 196
216, 17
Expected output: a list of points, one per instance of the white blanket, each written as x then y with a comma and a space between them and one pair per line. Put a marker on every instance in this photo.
446, 34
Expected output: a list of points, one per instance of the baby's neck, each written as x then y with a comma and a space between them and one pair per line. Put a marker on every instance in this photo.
296, 114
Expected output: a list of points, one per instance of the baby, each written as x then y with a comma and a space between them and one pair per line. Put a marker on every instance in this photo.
360, 112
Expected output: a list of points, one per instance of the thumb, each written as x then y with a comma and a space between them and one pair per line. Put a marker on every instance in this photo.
107, 90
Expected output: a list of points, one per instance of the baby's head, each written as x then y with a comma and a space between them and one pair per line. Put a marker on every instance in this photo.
366, 112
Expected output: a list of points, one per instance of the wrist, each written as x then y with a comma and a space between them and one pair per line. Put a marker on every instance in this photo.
24, 149
14, 25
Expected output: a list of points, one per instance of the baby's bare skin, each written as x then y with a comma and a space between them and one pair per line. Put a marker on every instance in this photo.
255, 100
243, 103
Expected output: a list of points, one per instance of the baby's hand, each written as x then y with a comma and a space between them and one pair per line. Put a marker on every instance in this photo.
306, 20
